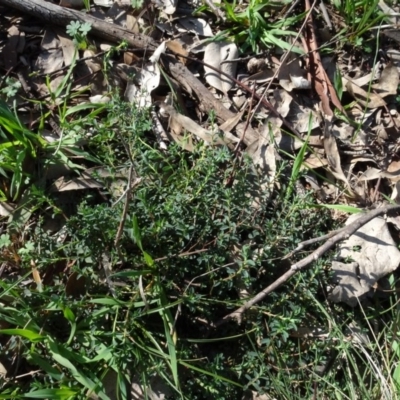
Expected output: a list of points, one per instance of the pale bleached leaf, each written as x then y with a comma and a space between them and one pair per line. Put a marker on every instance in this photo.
388, 82
158, 51
103, 3
78, 183
168, 6
99, 99
68, 49
291, 75
374, 254
148, 79
370, 174
215, 53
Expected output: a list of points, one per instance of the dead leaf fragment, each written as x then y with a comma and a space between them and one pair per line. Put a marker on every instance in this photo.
332, 152
178, 122
370, 100
374, 254
9, 53
196, 25
388, 82
215, 53
79, 183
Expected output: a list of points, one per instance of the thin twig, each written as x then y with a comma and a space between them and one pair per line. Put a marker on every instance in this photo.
343, 234
325, 14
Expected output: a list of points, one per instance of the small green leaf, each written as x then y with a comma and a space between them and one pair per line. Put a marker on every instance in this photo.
5, 240
85, 28
26, 333
69, 315
148, 259
58, 394
339, 207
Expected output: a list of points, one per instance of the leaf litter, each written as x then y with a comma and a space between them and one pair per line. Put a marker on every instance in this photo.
356, 152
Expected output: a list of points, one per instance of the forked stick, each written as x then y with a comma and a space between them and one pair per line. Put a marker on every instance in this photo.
340, 235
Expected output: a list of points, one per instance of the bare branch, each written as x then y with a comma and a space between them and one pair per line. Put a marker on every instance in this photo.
342, 234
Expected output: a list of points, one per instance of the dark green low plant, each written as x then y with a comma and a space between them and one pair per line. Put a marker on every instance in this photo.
194, 247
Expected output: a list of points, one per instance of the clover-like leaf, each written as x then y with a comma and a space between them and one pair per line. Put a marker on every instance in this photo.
85, 28
73, 28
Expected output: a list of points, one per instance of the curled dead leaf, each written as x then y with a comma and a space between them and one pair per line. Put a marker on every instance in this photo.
215, 53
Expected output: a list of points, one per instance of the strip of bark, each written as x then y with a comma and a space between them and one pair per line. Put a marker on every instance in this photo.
322, 83
342, 234
63, 16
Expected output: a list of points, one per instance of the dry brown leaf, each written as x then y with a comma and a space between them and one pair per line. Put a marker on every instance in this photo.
214, 54
390, 14
177, 47
51, 57
230, 123
393, 34
76, 285
36, 276
370, 100
9, 53
130, 58
68, 48
302, 118
332, 153
315, 160
361, 81
370, 174
180, 122
395, 196
98, 85
132, 23
282, 101
388, 82
291, 75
